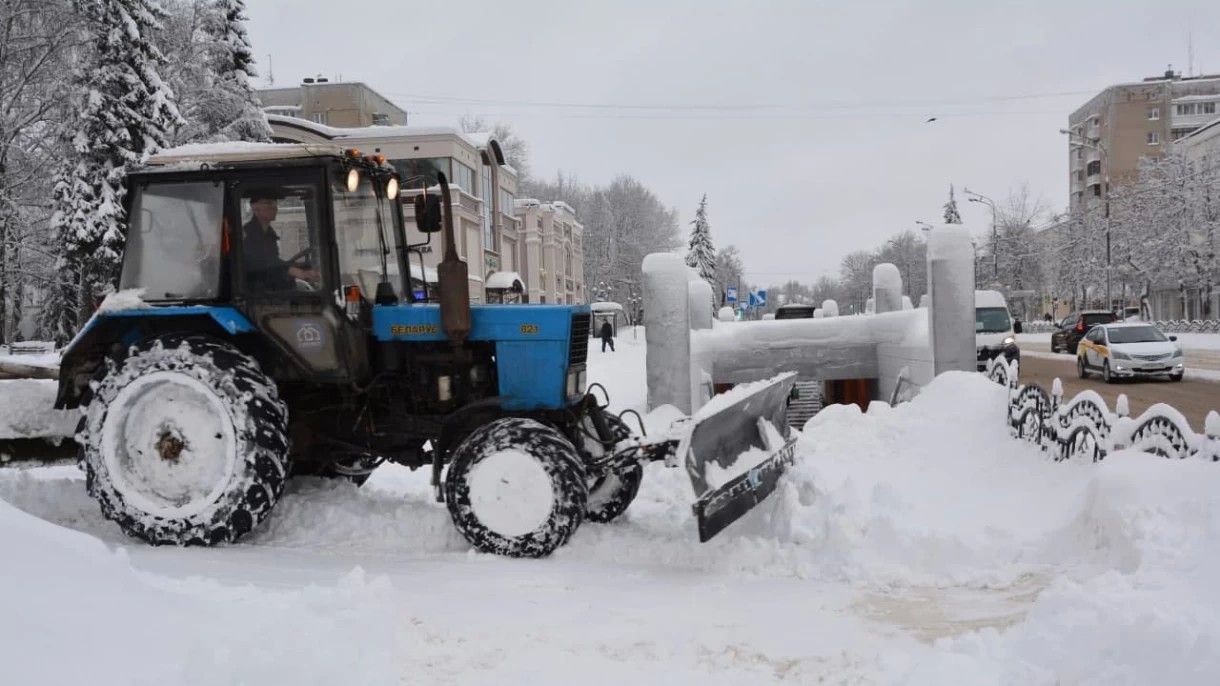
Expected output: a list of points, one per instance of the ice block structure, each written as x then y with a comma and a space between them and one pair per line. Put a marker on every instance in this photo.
689, 355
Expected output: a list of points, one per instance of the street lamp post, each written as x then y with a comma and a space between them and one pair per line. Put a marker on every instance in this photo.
995, 236
1103, 160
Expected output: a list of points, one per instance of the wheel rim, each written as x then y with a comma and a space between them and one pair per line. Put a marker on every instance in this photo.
169, 445
511, 493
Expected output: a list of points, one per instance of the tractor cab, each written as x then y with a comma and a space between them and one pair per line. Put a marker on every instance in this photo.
287, 242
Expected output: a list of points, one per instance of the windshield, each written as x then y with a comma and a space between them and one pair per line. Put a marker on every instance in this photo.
356, 232
1136, 334
174, 241
991, 320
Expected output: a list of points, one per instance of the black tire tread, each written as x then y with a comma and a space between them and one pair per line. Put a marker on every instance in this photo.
238, 379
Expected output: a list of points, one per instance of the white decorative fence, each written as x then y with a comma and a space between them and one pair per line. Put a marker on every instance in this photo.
1085, 428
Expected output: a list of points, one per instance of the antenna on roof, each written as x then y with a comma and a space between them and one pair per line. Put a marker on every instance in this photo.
1190, 53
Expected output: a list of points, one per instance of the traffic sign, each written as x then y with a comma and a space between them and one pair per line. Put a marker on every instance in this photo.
730, 294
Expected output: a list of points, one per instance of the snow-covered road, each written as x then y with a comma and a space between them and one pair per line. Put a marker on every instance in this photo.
918, 545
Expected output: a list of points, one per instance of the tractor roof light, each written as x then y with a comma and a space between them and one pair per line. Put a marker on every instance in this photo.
353, 180
391, 188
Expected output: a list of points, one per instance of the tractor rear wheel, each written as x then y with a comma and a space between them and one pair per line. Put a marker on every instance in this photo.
184, 442
516, 487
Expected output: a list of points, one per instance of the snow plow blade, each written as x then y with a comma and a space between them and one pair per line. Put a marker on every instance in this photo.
745, 431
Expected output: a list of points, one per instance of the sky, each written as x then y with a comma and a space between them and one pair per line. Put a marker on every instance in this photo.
804, 122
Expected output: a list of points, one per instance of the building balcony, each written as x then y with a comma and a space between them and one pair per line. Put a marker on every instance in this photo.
1093, 180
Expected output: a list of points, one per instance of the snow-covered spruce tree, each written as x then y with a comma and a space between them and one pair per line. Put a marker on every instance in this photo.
701, 254
123, 111
951, 214
232, 112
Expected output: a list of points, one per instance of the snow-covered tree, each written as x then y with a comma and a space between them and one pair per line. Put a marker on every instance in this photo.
36, 42
209, 67
951, 214
516, 149
729, 270
123, 112
700, 253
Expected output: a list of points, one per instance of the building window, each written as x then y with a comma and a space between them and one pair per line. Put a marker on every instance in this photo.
463, 176
1178, 134
380, 119
1097, 191
1154, 138
1080, 153
1207, 108
489, 226
1154, 113
319, 117
420, 173
506, 202
1094, 167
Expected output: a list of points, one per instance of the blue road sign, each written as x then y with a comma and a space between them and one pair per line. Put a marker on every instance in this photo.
730, 294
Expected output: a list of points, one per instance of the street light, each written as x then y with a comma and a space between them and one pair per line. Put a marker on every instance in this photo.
995, 237
1103, 160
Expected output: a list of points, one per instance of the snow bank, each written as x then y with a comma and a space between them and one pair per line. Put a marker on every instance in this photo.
26, 410
67, 591
1152, 614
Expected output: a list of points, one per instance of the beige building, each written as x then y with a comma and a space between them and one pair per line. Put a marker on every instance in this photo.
552, 264
1129, 122
329, 103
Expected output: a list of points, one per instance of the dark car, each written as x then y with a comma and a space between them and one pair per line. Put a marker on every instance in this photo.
794, 312
1073, 327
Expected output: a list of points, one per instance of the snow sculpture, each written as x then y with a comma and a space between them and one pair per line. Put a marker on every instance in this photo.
830, 308
666, 321
727, 315
887, 288
951, 288
700, 295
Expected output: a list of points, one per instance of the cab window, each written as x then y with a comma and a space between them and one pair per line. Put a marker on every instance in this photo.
173, 248
279, 234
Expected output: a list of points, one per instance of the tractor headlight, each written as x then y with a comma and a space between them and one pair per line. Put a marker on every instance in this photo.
353, 180
391, 188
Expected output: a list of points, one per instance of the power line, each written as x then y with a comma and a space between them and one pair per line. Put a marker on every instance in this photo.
720, 107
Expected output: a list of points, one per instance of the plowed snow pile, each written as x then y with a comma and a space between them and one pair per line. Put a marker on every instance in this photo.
909, 545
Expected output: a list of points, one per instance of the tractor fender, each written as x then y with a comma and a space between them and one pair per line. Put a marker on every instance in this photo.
461, 422
109, 334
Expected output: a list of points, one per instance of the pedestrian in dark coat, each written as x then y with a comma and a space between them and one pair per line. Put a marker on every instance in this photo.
607, 334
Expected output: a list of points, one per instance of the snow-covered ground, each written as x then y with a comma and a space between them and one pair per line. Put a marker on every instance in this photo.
914, 545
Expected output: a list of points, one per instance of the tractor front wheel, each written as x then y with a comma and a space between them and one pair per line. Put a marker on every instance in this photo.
184, 442
516, 487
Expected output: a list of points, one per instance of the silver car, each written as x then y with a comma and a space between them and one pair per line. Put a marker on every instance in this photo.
1129, 350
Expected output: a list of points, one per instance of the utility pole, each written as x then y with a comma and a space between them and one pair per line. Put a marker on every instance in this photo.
995, 235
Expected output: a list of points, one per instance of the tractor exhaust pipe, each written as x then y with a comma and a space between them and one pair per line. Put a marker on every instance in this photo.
453, 279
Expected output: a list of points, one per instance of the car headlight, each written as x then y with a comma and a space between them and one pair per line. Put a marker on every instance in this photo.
1177, 352
1120, 355
1009, 340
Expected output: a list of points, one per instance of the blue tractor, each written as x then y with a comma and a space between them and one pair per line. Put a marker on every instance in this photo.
269, 323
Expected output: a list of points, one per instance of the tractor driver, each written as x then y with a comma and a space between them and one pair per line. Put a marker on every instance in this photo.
265, 270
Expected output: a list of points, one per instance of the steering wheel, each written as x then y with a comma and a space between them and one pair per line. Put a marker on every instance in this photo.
292, 261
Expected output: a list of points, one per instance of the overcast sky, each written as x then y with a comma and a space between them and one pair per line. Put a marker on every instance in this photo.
804, 122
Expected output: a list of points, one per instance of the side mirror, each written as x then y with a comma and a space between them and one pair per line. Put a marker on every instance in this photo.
1173, 338
1016, 326
428, 213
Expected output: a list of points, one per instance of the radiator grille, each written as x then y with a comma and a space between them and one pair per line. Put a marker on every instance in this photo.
579, 349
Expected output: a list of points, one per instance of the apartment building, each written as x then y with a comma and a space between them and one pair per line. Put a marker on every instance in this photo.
332, 103
552, 264
1128, 122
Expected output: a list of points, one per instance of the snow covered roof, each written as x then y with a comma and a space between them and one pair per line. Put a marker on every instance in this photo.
365, 132
239, 151
1199, 132
606, 307
506, 280
1197, 98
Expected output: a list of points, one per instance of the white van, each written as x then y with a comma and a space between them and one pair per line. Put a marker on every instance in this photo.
995, 332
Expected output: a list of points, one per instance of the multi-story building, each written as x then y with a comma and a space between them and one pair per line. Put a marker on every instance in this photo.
330, 103
552, 255
1128, 122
